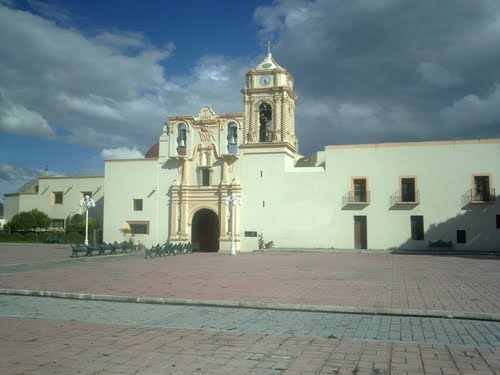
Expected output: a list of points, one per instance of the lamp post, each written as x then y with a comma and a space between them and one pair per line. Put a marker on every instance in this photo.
87, 203
232, 201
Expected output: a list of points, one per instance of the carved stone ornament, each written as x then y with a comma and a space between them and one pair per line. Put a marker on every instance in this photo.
206, 134
206, 113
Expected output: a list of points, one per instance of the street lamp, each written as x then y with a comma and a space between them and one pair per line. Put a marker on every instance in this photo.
232, 201
87, 203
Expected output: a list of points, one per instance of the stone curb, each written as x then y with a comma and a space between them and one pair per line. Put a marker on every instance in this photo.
259, 305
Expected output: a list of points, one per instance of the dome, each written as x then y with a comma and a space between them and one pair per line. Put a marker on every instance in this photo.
32, 185
29, 187
153, 152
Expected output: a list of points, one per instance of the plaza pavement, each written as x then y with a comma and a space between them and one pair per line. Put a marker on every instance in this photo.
408, 284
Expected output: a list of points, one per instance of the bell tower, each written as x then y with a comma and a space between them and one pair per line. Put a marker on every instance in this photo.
269, 106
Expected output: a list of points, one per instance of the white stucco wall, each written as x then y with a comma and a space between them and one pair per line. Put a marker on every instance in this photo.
71, 187
303, 206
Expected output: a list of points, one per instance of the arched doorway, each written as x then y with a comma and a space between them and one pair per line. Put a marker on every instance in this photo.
205, 230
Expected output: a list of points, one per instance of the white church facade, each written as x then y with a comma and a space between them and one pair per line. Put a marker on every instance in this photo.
368, 196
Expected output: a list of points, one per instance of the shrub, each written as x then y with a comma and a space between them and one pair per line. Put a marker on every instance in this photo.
30, 237
15, 237
74, 238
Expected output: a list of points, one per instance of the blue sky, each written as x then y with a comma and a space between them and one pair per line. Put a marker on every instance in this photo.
83, 81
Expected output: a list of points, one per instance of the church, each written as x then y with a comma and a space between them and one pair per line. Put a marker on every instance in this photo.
366, 196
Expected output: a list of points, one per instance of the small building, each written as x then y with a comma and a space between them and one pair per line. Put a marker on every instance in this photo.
58, 196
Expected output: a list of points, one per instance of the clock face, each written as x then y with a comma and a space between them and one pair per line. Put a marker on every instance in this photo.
265, 80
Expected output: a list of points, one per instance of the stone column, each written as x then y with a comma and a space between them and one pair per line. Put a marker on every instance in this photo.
224, 171
223, 218
246, 120
184, 235
174, 216
277, 120
185, 172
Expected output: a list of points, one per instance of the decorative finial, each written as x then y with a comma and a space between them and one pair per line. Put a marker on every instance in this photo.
269, 47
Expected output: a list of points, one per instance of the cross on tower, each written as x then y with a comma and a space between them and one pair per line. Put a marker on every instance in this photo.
269, 46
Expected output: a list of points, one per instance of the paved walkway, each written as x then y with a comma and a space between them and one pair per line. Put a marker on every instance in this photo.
120, 338
44, 347
274, 322
378, 281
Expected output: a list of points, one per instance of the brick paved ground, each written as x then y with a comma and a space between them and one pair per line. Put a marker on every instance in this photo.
54, 347
344, 279
29, 346
28, 253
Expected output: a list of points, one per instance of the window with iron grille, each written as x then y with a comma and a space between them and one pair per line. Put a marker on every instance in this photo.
139, 228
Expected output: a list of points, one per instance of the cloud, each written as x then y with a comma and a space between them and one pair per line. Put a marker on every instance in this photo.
437, 75
110, 83
93, 106
471, 110
121, 153
386, 71
16, 173
364, 72
17, 119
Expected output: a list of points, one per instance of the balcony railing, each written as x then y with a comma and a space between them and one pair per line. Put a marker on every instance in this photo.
356, 198
478, 196
412, 198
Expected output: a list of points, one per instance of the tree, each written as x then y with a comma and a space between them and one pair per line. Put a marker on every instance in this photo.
77, 223
29, 220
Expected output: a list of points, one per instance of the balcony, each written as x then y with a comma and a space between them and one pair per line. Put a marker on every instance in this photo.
354, 200
405, 201
475, 196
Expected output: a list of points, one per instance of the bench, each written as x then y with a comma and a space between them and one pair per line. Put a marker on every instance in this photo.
441, 244
75, 249
128, 247
152, 252
53, 239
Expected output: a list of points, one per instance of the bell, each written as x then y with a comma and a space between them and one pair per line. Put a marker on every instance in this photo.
182, 143
232, 140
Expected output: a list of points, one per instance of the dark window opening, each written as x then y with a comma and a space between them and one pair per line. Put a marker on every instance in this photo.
498, 221
58, 197
139, 228
359, 190
481, 188
181, 139
266, 123
461, 236
137, 204
417, 228
232, 138
408, 190
205, 177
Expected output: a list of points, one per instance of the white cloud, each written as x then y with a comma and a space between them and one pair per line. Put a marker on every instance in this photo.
437, 75
104, 84
121, 153
16, 173
93, 105
472, 110
16, 119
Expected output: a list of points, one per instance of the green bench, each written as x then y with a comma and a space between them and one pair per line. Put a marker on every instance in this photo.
171, 249
441, 244
75, 249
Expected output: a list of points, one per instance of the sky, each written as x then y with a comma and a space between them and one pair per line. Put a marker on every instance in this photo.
83, 81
